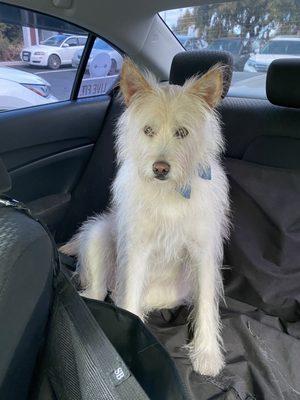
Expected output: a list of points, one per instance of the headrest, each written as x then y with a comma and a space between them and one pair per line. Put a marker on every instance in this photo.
5, 182
190, 63
283, 82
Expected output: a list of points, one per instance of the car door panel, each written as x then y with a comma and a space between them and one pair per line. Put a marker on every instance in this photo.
46, 150
29, 134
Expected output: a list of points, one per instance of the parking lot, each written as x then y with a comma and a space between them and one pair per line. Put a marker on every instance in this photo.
62, 80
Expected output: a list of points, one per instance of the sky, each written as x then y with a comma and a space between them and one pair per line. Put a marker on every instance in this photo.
171, 16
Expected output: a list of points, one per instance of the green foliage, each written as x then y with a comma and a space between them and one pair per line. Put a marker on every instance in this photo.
11, 40
246, 18
184, 21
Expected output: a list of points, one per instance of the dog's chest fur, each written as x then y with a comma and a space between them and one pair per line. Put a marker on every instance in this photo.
157, 214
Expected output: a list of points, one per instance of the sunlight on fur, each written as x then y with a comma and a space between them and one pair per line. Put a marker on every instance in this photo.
161, 243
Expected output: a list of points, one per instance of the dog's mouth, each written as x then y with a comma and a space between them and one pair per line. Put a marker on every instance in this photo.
160, 178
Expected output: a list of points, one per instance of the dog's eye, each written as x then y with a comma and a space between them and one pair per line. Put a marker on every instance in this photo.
148, 131
181, 133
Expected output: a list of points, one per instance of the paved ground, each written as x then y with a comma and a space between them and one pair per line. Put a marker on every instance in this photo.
62, 80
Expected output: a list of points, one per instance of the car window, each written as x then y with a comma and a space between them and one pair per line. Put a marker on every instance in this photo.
82, 41
72, 42
54, 41
34, 70
276, 47
254, 32
294, 48
231, 45
35, 66
102, 70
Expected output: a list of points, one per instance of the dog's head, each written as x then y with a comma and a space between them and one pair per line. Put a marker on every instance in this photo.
166, 130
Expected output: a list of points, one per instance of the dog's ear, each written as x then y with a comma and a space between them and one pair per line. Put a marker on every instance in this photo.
209, 86
132, 81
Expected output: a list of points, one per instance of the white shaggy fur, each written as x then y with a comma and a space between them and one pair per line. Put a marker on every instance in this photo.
155, 248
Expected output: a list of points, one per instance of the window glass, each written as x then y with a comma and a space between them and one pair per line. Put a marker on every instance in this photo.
254, 32
71, 42
82, 40
102, 69
34, 67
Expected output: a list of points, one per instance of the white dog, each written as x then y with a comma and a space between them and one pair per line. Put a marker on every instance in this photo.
161, 243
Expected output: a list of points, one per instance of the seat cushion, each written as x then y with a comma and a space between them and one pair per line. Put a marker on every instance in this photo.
26, 267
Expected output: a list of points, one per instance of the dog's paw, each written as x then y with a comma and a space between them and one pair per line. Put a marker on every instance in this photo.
207, 362
94, 294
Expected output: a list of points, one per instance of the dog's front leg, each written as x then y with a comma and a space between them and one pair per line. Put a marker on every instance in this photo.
131, 277
206, 347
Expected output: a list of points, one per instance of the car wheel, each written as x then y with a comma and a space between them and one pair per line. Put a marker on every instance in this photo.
114, 68
54, 62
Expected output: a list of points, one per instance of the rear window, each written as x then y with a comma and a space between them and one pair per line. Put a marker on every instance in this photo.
254, 32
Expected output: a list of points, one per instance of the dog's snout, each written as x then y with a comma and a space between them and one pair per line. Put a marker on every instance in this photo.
161, 169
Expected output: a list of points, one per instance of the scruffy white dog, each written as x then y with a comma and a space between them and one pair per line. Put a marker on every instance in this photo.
161, 243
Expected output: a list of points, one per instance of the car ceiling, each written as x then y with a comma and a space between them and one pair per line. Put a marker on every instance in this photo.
132, 25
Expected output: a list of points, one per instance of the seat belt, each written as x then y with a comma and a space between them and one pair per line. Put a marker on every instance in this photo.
81, 362
99, 367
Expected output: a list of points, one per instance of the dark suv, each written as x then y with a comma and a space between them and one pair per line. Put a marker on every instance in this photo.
239, 48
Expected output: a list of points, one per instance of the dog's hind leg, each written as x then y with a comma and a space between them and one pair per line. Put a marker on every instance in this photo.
95, 250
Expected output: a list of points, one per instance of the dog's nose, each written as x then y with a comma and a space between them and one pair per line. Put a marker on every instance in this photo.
161, 169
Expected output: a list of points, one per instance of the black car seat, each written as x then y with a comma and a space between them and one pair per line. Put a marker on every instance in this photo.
189, 63
53, 344
26, 270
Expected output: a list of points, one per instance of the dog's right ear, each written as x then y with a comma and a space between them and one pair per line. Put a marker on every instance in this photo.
132, 81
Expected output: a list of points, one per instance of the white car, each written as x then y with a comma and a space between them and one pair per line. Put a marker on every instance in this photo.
99, 47
53, 52
19, 89
279, 47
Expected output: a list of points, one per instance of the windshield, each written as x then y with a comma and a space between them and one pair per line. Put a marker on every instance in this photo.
282, 47
244, 28
54, 40
226, 45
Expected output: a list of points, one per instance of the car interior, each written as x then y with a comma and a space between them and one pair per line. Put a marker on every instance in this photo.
59, 161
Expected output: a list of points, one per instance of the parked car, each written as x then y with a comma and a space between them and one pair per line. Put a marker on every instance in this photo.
53, 52
279, 47
100, 47
21, 89
239, 48
192, 43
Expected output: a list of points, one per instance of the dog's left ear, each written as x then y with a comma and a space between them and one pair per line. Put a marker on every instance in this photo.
132, 81
209, 86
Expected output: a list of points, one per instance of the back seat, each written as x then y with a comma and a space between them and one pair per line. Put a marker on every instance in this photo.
263, 162
261, 321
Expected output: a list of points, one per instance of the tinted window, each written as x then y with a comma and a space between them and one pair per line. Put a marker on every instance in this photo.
294, 48
72, 42
102, 70
82, 41
55, 41
233, 46
276, 47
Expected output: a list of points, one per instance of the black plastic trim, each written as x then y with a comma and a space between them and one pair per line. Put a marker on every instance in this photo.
82, 66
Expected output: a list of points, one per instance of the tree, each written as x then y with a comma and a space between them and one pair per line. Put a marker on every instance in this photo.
184, 22
10, 42
247, 19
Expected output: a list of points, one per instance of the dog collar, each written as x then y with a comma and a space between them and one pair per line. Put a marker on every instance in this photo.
204, 173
